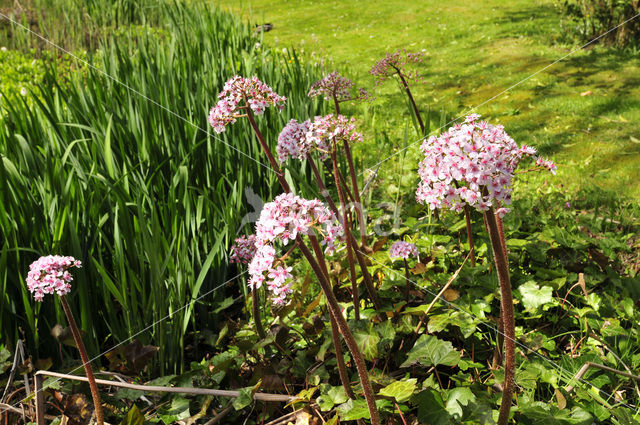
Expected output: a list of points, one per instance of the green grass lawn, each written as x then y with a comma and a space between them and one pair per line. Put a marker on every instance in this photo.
582, 111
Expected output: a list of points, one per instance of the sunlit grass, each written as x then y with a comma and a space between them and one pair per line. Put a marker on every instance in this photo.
474, 52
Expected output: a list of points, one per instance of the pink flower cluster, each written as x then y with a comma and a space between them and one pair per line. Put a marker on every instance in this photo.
243, 250
473, 164
325, 129
404, 250
283, 219
335, 86
238, 90
293, 142
394, 63
50, 274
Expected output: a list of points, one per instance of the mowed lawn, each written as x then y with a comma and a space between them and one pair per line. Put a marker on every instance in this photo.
582, 111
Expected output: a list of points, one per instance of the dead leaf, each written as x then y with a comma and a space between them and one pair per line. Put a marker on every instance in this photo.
586, 93
379, 244
451, 294
562, 402
419, 268
131, 358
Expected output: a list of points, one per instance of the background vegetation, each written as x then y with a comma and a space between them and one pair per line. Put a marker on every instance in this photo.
150, 202
581, 110
145, 197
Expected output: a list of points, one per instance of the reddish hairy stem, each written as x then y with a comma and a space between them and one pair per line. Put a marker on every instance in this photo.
352, 272
356, 195
323, 188
350, 238
503, 241
413, 102
354, 183
346, 223
85, 360
335, 335
267, 151
506, 303
344, 329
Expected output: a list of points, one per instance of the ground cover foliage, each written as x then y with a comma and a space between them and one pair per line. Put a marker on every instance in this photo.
152, 205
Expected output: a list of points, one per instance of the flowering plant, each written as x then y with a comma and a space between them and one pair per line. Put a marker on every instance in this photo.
471, 164
404, 250
283, 219
337, 88
326, 129
254, 93
394, 63
243, 250
51, 274
293, 142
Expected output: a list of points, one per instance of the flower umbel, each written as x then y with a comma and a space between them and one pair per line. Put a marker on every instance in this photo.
336, 87
404, 250
293, 142
284, 219
50, 274
473, 164
326, 129
394, 63
243, 250
239, 94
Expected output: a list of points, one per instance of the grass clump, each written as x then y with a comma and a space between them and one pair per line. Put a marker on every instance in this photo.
145, 197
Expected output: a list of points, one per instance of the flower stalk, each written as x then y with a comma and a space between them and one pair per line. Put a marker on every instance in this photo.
361, 368
506, 306
85, 361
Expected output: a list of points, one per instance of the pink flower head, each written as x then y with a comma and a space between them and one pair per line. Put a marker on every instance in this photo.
326, 129
238, 94
471, 164
243, 250
336, 87
404, 250
394, 63
293, 142
50, 274
281, 221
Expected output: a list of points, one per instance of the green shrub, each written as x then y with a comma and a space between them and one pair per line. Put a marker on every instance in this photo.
592, 18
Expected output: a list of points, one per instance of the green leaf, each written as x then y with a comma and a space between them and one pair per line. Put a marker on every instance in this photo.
330, 396
368, 343
134, 417
533, 296
400, 390
178, 410
549, 414
353, 410
244, 399
457, 399
431, 408
429, 350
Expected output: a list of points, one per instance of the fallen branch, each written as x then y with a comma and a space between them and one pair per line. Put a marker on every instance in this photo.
147, 388
578, 376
